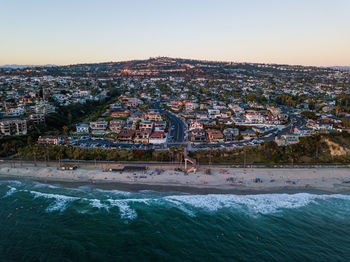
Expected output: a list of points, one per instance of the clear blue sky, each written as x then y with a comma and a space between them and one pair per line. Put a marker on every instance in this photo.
308, 32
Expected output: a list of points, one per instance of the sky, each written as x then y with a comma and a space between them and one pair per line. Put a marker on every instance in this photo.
61, 32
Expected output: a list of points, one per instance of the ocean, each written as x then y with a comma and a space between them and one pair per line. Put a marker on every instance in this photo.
42, 222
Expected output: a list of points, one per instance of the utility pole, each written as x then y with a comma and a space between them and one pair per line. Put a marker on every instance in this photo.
245, 158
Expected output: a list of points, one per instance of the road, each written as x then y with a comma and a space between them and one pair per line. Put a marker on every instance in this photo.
177, 128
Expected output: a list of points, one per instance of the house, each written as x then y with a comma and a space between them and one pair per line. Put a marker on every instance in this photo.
126, 135
50, 140
274, 110
152, 116
98, 127
132, 102
36, 119
231, 133
119, 113
195, 124
202, 115
254, 117
11, 127
175, 105
135, 116
141, 137
225, 113
130, 125
304, 131
214, 113
44, 108
82, 129
116, 106
286, 140
146, 125
236, 109
215, 136
323, 126
160, 126
191, 106
248, 134
16, 111
116, 125
197, 135
157, 138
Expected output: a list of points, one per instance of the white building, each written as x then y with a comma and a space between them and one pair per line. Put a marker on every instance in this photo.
157, 138
82, 129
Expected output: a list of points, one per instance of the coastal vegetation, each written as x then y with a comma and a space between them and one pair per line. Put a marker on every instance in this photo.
324, 148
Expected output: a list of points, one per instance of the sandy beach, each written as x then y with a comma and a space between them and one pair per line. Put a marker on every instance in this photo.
331, 180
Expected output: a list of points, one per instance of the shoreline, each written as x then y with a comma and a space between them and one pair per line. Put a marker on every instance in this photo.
220, 181
193, 190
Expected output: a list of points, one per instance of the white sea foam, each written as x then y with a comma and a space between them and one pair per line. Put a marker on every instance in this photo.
125, 210
13, 182
11, 191
42, 185
190, 204
115, 192
84, 188
256, 204
60, 201
180, 206
98, 204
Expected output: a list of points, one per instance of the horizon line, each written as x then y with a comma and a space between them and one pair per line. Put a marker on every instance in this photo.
195, 59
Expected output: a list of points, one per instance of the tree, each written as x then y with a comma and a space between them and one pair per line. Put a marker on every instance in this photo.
309, 115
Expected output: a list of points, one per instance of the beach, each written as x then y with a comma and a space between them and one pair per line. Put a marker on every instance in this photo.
219, 180
234, 214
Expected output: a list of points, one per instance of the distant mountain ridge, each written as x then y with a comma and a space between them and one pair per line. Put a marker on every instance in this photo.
347, 68
14, 66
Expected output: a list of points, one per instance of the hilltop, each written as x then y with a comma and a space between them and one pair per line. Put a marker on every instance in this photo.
166, 67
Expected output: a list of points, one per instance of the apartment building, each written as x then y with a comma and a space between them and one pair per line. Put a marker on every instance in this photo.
13, 127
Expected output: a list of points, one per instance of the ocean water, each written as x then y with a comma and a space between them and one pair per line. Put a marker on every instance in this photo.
41, 222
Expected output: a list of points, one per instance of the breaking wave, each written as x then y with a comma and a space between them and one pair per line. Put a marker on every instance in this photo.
60, 201
257, 204
11, 191
128, 203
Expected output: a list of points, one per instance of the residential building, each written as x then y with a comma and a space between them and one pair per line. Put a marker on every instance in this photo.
231, 133
286, 140
82, 129
157, 138
98, 127
197, 135
116, 125
146, 125
13, 127
195, 124
50, 140
215, 136
141, 137
126, 135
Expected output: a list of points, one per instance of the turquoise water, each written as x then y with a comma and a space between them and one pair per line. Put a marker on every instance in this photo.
42, 222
